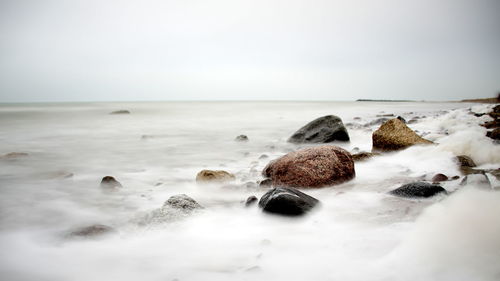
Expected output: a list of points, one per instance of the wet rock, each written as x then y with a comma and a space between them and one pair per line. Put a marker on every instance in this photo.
395, 135
363, 156
265, 183
182, 202
455, 178
14, 155
251, 200
241, 138
311, 167
465, 161
123, 111
376, 122
93, 231
175, 208
109, 182
479, 180
492, 124
495, 134
418, 189
439, 178
401, 119
214, 176
287, 201
322, 130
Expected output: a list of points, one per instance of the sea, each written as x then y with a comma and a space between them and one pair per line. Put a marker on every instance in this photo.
51, 187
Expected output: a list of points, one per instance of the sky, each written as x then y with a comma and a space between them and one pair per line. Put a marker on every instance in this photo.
97, 50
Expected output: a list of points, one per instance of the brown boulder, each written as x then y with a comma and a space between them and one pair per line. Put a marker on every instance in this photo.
395, 135
214, 176
311, 167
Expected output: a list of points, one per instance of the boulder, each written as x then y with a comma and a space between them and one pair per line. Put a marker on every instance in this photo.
182, 202
110, 183
418, 189
322, 130
214, 176
92, 231
395, 135
287, 201
241, 138
311, 167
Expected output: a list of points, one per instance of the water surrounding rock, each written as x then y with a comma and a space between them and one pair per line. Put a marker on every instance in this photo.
418, 189
110, 183
241, 138
214, 176
322, 130
479, 180
123, 111
395, 135
311, 167
287, 201
92, 231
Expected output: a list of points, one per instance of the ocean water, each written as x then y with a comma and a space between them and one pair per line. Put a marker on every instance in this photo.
358, 233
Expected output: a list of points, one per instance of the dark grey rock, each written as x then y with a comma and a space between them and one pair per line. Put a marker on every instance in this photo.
418, 189
287, 201
266, 183
322, 130
120, 112
241, 138
251, 200
110, 183
92, 231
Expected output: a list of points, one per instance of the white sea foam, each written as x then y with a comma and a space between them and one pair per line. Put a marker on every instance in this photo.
358, 233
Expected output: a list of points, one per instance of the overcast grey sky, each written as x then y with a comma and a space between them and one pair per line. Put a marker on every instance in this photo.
93, 50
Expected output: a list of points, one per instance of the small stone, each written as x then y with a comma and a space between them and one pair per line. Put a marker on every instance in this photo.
92, 231
182, 202
465, 161
214, 176
439, 178
265, 183
110, 182
120, 112
418, 189
263, 156
251, 200
363, 156
241, 138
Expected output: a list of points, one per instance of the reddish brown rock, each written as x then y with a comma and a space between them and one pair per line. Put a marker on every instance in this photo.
395, 135
439, 178
311, 167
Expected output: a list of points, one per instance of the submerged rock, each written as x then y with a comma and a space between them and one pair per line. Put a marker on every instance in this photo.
287, 201
395, 135
311, 167
418, 189
93, 231
214, 176
123, 111
251, 200
322, 130
14, 155
241, 138
175, 208
182, 202
110, 183
363, 156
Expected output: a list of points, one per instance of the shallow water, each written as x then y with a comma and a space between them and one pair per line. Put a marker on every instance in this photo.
359, 232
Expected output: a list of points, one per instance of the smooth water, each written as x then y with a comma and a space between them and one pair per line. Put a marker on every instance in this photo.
359, 232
